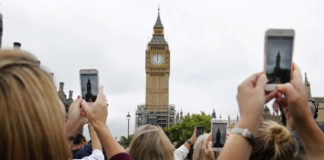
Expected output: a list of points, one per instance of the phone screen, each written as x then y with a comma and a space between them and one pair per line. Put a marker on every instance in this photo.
218, 134
199, 131
89, 87
279, 59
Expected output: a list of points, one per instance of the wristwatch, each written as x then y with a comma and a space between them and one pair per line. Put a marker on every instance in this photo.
244, 132
190, 144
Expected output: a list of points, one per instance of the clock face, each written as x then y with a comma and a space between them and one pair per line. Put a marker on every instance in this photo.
157, 59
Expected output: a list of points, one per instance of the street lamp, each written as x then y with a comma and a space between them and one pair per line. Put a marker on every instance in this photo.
128, 118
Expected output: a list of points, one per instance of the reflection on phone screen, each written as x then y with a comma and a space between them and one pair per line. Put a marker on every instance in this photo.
278, 59
218, 134
89, 87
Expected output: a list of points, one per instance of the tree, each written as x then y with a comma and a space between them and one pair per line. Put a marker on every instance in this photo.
125, 142
181, 132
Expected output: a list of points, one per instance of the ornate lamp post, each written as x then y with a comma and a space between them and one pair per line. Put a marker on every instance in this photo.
128, 118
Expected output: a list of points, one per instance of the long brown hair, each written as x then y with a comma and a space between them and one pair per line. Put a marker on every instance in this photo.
30, 115
149, 143
273, 142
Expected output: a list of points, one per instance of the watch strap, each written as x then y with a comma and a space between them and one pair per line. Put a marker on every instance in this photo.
244, 132
190, 144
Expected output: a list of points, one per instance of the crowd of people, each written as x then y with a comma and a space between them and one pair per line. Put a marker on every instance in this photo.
34, 124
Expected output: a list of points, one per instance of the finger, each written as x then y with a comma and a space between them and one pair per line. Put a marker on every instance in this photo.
271, 95
296, 76
208, 139
275, 107
101, 88
195, 131
252, 79
78, 102
287, 89
261, 81
83, 114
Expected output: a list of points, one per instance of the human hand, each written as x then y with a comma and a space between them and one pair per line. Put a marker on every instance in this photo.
193, 137
76, 118
207, 148
251, 99
97, 112
292, 97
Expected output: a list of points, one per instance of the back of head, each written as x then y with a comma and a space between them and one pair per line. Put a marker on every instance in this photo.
78, 139
150, 142
273, 142
198, 153
31, 120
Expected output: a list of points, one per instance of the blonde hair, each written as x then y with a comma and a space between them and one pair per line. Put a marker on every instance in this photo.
198, 153
274, 142
30, 115
150, 142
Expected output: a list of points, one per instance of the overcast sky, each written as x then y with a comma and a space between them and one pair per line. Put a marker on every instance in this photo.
214, 45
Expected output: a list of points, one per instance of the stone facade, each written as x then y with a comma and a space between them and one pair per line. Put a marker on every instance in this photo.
319, 101
163, 119
66, 101
268, 116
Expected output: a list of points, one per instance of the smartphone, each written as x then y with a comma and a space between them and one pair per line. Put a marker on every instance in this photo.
89, 84
219, 129
199, 131
278, 54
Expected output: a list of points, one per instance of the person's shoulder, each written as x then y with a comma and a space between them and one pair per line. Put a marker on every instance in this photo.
121, 156
86, 151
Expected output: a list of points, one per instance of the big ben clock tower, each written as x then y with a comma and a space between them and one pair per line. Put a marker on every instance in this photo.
157, 66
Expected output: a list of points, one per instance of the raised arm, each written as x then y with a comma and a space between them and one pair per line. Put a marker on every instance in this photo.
299, 116
97, 115
94, 138
251, 98
75, 120
182, 152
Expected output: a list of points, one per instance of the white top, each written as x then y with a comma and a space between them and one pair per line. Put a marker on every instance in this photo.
180, 153
96, 155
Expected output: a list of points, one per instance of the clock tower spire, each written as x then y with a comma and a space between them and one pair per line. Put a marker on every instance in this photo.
158, 27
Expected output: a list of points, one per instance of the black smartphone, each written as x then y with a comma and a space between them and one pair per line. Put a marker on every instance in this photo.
199, 131
89, 84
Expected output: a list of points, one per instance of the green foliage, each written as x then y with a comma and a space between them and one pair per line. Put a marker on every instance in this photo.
125, 142
181, 132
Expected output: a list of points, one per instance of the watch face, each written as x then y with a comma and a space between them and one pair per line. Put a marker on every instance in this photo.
157, 59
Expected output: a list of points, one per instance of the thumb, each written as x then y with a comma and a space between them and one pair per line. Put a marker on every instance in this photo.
78, 102
85, 106
208, 139
262, 81
284, 88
